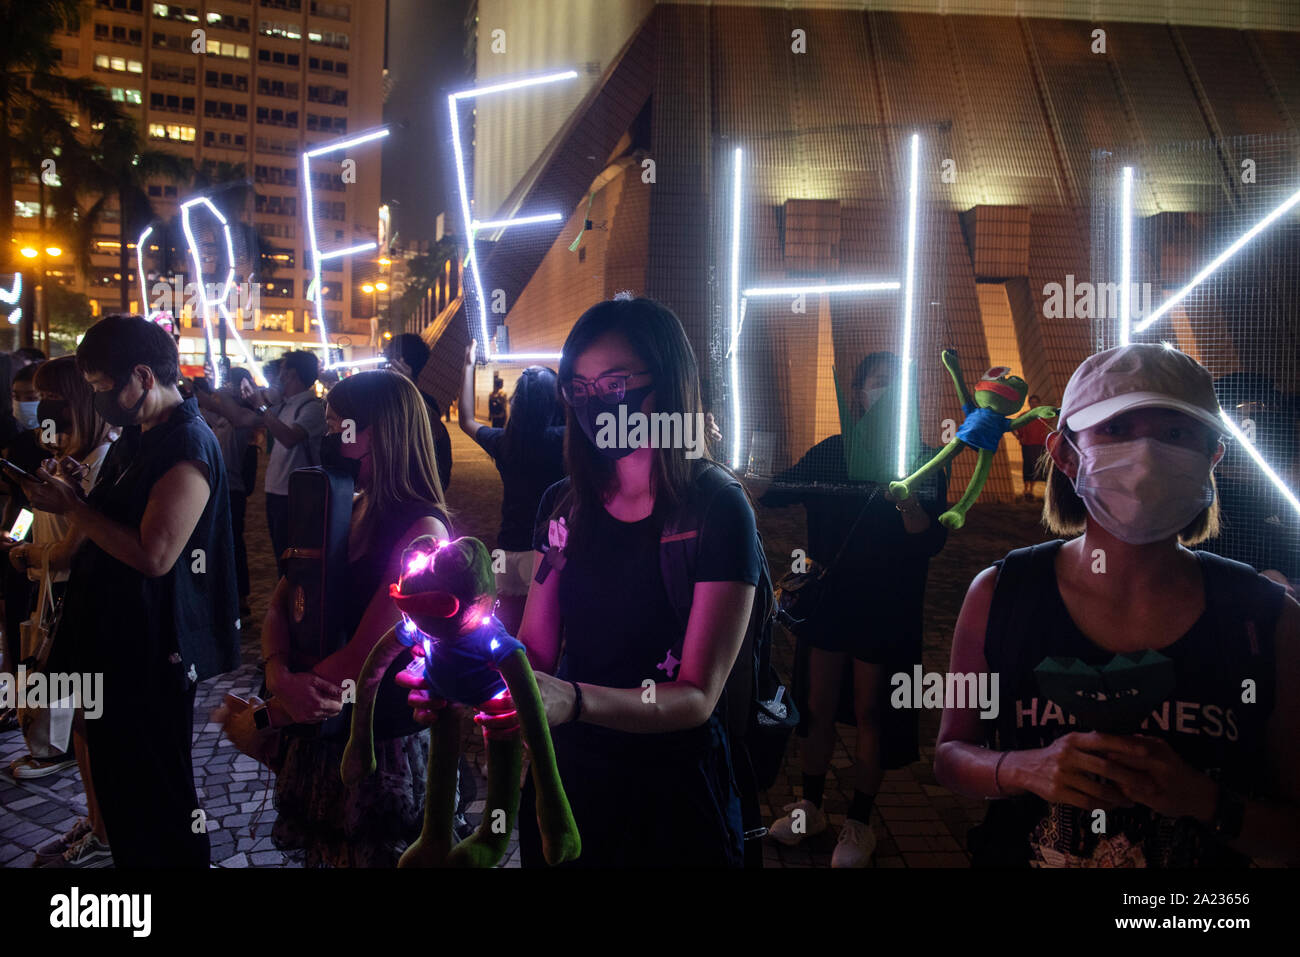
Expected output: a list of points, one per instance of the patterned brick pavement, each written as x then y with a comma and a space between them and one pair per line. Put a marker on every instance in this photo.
918, 823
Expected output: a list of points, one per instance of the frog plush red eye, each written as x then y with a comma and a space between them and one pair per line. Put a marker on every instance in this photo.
997, 372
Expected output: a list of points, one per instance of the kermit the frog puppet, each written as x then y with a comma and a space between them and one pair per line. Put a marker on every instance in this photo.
997, 396
446, 595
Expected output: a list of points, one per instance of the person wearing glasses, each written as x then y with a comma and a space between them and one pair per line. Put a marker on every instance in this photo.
529, 454
633, 698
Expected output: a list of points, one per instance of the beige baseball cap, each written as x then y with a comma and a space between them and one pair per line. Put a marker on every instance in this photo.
1139, 376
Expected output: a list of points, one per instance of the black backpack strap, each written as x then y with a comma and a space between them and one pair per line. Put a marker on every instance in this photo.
1246, 607
1024, 577
679, 542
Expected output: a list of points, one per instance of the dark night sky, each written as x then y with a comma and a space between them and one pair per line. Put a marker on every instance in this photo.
426, 42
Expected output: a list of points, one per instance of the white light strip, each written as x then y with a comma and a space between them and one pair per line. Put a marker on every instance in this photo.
472, 225
220, 305
344, 144
520, 221
737, 170
1126, 256
515, 84
318, 255
820, 289
1259, 460
909, 296
139, 262
11, 296
1219, 260
348, 251
16, 316
358, 362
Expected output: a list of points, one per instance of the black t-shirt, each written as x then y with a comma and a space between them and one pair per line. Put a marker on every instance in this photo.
618, 626
1204, 720
118, 618
523, 483
880, 578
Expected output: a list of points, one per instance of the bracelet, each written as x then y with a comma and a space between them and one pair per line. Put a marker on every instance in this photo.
275, 654
996, 768
577, 702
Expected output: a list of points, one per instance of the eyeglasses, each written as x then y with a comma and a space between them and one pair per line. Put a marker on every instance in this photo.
610, 389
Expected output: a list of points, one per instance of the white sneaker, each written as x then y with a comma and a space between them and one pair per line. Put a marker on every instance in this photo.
856, 845
802, 819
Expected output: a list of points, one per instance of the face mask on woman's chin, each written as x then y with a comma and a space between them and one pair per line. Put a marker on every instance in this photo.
112, 411
594, 409
1143, 490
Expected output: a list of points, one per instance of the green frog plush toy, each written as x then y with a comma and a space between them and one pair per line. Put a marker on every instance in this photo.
446, 595
996, 397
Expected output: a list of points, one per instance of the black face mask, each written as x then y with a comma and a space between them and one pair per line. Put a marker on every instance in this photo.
112, 412
56, 411
333, 459
594, 408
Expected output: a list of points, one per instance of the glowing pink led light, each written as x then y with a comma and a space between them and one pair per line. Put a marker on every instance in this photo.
418, 563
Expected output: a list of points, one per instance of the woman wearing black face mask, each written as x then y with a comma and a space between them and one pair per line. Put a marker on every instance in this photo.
634, 704
379, 433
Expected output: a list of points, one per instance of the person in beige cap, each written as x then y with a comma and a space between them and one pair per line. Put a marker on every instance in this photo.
1211, 776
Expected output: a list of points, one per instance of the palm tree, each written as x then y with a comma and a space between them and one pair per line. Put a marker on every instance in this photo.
121, 170
422, 273
30, 84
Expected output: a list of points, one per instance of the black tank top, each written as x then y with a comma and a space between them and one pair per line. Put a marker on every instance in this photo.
1227, 652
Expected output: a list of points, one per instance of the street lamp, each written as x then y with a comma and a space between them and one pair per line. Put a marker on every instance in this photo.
29, 252
39, 317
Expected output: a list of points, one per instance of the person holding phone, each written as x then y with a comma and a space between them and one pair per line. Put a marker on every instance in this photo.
151, 602
80, 438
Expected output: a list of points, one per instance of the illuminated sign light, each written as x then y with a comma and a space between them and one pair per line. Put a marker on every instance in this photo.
473, 226
1219, 260
356, 363
1259, 460
220, 304
737, 302
10, 296
319, 255
139, 265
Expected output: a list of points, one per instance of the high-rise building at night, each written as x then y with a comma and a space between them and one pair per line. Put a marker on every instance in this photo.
251, 84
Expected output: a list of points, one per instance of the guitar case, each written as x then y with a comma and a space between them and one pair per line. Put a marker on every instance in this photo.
316, 566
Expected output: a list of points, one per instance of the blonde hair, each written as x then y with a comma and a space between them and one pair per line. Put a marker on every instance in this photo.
404, 468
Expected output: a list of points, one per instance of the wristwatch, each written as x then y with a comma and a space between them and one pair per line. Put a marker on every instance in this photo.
262, 409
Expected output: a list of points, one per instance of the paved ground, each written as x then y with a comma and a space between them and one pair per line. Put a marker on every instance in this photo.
918, 823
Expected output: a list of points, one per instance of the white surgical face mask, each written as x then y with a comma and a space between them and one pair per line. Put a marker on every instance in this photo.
25, 414
1143, 490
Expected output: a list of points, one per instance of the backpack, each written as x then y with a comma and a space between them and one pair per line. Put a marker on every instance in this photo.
758, 715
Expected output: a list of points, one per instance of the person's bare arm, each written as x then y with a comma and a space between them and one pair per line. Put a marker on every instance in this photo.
380, 615
287, 434
1066, 771
236, 412
465, 408
175, 504
539, 630
714, 634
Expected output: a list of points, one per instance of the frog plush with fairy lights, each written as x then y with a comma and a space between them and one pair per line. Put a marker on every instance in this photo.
446, 595
997, 396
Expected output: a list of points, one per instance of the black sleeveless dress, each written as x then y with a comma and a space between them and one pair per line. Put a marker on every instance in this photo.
1205, 719
371, 824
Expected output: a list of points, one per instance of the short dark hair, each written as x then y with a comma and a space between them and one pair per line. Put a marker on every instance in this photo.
30, 354
304, 363
27, 373
118, 343
411, 349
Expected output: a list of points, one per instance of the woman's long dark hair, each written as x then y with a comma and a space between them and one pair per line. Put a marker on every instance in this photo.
657, 337
88, 431
534, 408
